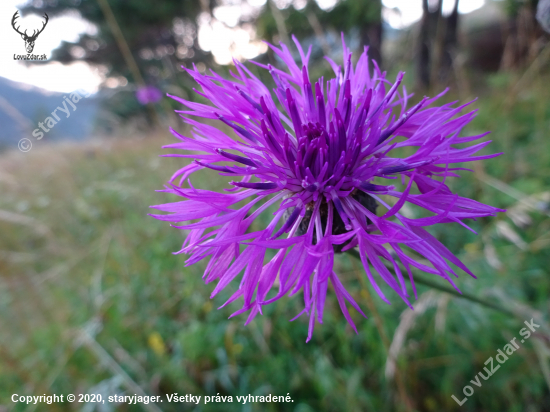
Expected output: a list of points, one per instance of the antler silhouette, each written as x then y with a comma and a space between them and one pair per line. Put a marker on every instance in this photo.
15, 16
35, 33
43, 26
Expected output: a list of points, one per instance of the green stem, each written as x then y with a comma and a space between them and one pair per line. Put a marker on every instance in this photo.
420, 279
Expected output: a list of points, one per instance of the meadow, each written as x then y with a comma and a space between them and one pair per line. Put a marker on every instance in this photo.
92, 300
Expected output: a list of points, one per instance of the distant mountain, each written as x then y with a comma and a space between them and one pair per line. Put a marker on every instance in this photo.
23, 106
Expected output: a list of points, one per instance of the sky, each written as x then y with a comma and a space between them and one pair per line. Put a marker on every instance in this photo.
410, 11
218, 35
51, 76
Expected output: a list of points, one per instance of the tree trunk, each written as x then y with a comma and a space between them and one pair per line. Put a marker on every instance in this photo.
449, 45
428, 29
372, 36
437, 45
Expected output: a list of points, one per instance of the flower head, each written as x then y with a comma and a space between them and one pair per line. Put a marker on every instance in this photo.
316, 152
148, 94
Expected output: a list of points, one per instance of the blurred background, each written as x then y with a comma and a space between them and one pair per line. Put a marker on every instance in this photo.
92, 299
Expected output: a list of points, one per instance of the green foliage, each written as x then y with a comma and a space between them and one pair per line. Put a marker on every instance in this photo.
513, 7
145, 24
345, 16
161, 35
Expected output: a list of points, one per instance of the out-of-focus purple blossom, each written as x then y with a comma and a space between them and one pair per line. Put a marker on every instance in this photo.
543, 14
319, 153
148, 94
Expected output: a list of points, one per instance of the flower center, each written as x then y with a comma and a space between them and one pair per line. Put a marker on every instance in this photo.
338, 226
313, 131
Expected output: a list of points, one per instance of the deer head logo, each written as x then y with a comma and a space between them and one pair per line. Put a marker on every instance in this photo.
29, 40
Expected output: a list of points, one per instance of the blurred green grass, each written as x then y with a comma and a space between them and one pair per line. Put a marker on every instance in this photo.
90, 293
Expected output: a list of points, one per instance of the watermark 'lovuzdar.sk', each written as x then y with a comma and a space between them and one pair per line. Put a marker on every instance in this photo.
30, 57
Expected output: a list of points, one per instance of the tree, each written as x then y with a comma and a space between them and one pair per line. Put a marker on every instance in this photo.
363, 17
521, 34
161, 36
437, 44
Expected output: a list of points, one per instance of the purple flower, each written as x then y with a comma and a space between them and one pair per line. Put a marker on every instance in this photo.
148, 94
319, 156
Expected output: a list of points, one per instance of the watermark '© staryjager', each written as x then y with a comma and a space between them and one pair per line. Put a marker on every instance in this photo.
50, 121
501, 357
